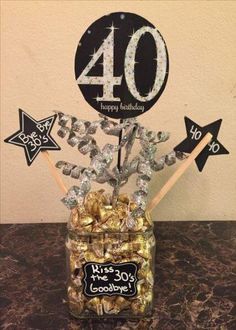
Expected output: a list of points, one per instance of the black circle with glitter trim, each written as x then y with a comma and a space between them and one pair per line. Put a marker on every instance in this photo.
121, 65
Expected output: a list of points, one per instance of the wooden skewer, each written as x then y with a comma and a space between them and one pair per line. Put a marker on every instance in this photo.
179, 172
56, 176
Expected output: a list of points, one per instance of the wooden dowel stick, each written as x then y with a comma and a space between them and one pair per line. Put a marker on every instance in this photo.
179, 172
119, 151
56, 176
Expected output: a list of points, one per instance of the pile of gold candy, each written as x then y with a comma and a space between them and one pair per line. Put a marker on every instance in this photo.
100, 233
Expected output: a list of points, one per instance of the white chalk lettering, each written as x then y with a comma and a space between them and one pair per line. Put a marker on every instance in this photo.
111, 288
95, 268
23, 138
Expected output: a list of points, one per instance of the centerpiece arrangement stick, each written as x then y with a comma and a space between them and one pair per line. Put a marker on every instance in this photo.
113, 228
54, 172
179, 172
121, 168
119, 151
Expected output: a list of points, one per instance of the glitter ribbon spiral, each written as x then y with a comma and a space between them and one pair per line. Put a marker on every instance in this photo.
80, 134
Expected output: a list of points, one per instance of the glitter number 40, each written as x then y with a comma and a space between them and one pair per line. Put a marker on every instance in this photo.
108, 81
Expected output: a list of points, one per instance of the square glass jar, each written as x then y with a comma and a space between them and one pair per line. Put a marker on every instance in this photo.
110, 274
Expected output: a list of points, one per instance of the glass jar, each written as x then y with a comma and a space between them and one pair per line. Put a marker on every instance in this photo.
110, 273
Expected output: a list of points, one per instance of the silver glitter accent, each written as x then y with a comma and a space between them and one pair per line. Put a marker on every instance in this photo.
151, 136
80, 135
142, 184
86, 144
130, 222
72, 197
63, 120
94, 152
110, 148
92, 129
110, 128
85, 184
161, 62
149, 150
133, 165
98, 164
170, 158
138, 212
73, 140
89, 173
67, 169
60, 164
63, 131
163, 136
180, 155
158, 165
145, 168
127, 136
103, 178
79, 127
75, 172
139, 196
108, 151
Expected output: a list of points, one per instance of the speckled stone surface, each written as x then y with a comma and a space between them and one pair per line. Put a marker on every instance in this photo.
195, 282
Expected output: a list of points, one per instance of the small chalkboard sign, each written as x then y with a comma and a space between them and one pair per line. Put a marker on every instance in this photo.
34, 135
195, 133
110, 279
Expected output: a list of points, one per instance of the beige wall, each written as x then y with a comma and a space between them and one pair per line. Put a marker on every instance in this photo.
39, 40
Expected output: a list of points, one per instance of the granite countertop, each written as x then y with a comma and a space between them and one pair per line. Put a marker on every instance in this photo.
195, 281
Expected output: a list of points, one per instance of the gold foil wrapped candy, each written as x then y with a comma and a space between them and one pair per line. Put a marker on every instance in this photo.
108, 304
95, 305
76, 301
99, 234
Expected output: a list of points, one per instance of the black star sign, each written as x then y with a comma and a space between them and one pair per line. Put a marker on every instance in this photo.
34, 136
194, 134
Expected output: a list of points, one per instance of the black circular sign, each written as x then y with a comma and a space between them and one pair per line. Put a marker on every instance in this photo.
121, 65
